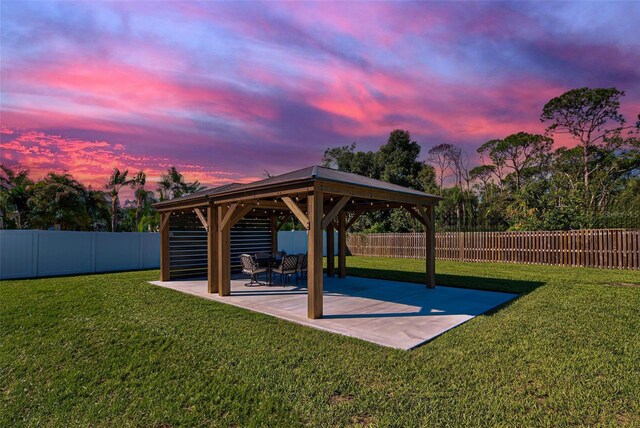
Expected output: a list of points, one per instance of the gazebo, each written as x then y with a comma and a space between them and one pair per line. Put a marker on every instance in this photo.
322, 199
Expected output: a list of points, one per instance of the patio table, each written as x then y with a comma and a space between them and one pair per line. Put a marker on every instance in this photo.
269, 262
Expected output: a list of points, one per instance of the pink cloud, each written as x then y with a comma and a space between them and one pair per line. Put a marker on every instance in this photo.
92, 162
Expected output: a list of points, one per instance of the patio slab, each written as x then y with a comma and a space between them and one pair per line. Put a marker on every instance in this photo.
390, 313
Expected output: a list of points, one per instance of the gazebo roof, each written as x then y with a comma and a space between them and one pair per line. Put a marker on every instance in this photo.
307, 175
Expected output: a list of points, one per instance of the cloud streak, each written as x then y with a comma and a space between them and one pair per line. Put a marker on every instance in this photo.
227, 90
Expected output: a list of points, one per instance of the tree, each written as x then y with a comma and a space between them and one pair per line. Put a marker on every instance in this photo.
139, 192
427, 179
348, 159
589, 116
117, 181
59, 199
439, 157
398, 160
519, 152
15, 191
173, 185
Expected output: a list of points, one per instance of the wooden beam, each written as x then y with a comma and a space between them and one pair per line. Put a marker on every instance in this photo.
375, 194
373, 206
223, 253
264, 194
314, 250
185, 207
298, 212
424, 213
274, 233
212, 249
353, 219
415, 215
165, 220
203, 220
334, 211
222, 224
165, 274
430, 250
342, 244
330, 250
239, 215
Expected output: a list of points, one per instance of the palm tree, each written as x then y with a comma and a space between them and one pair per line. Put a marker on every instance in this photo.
116, 182
173, 185
140, 192
15, 191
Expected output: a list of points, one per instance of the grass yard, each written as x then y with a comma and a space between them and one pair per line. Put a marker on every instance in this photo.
106, 350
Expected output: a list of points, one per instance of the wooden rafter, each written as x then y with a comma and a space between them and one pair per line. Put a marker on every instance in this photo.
165, 220
202, 218
240, 214
295, 209
353, 219
424, 213
415, 214
334, 211
227, 217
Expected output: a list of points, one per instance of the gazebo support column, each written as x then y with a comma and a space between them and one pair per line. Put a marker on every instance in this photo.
165, 274
331, 271
223, 253
430, 250
314, 288
342, 244
212, 249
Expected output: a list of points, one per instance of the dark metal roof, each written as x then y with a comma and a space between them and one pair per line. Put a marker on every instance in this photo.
309, 173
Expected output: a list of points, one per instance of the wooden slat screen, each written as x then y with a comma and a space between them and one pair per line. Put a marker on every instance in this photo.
602, 248
188, 243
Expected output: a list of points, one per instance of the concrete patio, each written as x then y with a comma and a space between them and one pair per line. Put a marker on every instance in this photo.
396, 314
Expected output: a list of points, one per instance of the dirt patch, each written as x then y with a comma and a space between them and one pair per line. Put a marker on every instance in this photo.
338, 398
622, 284
361, 421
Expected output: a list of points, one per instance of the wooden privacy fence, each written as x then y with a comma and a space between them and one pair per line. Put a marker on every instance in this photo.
602, 248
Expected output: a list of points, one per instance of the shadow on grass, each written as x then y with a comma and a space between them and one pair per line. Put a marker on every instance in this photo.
449, 280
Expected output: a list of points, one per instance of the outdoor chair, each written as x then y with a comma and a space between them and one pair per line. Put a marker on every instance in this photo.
249, 267
301, 268
288, 267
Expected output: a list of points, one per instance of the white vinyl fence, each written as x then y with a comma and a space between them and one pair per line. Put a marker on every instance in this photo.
295, 242
35, 253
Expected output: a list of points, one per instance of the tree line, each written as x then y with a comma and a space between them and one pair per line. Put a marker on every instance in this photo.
59, 201
522, 183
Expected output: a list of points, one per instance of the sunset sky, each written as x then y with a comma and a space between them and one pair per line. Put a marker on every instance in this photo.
226, 90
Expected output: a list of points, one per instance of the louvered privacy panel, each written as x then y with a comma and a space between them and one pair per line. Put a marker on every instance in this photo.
188, 243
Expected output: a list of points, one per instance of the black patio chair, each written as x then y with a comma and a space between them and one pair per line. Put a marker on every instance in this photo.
301, 268
249, 267
287, 267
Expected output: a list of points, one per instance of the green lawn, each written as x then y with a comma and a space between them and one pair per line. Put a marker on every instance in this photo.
108, 350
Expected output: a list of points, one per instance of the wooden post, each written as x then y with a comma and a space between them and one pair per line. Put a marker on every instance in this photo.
342, 244
212, 249
165, 274
330, 250
274, 233
224, 257
314, 289
430, 250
